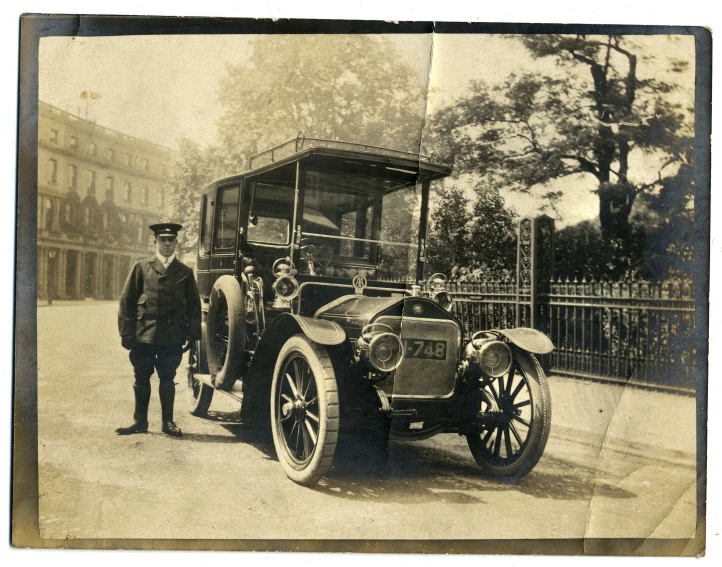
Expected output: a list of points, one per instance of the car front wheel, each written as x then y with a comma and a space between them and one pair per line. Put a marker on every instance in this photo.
304, 410
517, 407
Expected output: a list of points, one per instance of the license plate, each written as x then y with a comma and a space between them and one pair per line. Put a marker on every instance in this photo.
421, 348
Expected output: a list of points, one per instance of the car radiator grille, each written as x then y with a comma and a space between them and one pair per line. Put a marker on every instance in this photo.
426, 371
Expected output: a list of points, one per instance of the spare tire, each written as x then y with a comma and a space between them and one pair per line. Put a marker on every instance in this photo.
226, 332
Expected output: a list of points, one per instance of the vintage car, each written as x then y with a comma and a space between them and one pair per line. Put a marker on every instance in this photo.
318, 318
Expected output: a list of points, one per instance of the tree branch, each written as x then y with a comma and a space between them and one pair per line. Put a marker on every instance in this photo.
585, 164
533, 140
582, 58
522, 154
642, 188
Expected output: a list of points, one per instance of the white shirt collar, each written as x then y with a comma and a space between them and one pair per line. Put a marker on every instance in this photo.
163, 260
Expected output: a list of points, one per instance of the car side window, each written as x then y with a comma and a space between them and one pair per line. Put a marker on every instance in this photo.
271, 213
226, 225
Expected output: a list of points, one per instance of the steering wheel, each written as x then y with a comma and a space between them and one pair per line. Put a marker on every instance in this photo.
317, 255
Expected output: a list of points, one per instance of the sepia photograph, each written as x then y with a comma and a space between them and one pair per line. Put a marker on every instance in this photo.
364, 286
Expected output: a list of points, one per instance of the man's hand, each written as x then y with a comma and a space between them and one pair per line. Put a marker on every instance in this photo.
127, 341
188, 344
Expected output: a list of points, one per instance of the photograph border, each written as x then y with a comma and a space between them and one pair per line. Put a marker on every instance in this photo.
24, 493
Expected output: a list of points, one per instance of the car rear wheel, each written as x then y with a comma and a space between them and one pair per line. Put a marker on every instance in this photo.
199, 395
304, 410
517, 410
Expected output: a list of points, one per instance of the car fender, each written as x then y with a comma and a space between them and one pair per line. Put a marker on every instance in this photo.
528, 339
320, 331
257, 384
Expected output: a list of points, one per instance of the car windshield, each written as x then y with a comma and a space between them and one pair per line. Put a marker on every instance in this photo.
369, 225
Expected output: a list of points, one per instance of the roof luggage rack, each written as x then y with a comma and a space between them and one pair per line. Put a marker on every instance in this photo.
287, 149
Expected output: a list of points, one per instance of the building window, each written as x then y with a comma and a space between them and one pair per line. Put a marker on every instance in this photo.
123, 218
73, 142
73, 177
46, 213
127, 192
111, 154
141, 231
146, 191
109, 188
161, 199
128, 160
93, 149
91, 182
54, 136
91, 218
53, 171
145, 164
69, 214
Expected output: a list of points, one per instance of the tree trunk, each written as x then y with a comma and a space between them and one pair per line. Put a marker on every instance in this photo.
615, 206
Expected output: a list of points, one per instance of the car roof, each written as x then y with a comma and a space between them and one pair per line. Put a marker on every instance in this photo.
295, 150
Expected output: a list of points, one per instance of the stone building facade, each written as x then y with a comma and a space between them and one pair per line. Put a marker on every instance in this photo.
98, 190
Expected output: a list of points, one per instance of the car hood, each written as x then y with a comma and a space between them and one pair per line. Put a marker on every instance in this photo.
354, 312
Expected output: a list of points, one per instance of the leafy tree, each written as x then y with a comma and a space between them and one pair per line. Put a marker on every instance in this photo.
472, 238
450, 223
339, 87
536, 128
350, 88
580, 252
660, 245
191, 173
669, 220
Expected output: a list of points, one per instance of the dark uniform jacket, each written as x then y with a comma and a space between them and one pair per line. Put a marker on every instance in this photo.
160, 307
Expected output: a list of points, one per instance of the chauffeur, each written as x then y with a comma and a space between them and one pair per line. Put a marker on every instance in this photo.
159, 318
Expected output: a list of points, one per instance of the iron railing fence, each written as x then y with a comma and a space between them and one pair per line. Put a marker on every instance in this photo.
633, 331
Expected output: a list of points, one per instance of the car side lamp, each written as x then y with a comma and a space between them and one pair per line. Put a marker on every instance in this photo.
286, 286
438, 292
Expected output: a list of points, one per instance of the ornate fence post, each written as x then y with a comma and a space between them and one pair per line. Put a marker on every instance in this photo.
542, 271
523, 269
534, 269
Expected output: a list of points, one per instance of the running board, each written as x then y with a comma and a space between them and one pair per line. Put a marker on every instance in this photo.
236, 392
204, 378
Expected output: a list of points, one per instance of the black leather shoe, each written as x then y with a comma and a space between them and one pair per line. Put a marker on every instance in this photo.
171, 429
137, 427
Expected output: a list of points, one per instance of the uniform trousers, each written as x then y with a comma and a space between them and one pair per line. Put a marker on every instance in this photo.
164, 359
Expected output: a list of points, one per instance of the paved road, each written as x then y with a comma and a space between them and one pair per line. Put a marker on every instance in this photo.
614, 465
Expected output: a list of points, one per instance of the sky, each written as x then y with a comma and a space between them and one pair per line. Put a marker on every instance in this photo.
163, 88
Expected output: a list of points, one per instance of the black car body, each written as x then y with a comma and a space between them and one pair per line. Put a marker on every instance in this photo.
319, 317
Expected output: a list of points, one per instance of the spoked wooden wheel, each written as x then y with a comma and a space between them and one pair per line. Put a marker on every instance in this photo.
517, 406
199, 395
304, 410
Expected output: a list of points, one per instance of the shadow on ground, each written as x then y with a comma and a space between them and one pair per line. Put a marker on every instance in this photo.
417, 472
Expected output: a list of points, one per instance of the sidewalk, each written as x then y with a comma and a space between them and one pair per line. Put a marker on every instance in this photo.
626, 417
